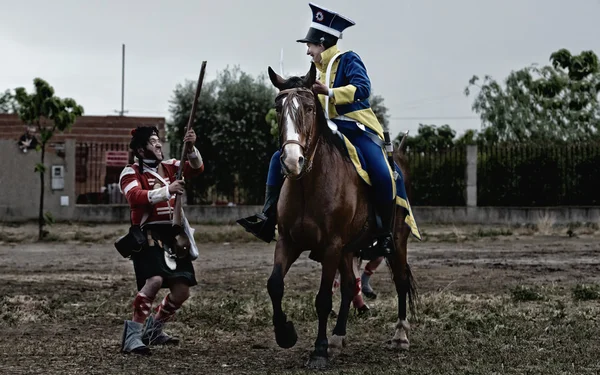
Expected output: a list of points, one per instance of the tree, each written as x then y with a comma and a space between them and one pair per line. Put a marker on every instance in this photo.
8, 103
473, 137
430, 138
48, 113
558, 102
271, 118
205, 120
380, 110
234, 136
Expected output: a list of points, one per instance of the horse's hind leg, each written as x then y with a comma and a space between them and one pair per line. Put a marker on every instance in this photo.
319, 357
404, 286
285, 256
348, 289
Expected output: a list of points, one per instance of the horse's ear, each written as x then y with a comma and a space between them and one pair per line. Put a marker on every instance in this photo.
276, 79
311, 77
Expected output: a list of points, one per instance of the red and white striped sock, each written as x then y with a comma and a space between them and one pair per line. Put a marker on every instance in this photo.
167, 309
142, 304
357, 301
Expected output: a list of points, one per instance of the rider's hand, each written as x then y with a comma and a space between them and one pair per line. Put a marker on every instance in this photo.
176, 187
320, 88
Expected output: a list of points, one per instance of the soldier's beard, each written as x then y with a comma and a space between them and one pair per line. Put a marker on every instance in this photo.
152, 157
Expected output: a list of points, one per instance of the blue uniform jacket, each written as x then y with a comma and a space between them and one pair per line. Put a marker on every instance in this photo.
351, 88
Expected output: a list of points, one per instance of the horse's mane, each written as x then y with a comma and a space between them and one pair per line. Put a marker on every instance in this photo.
330, 139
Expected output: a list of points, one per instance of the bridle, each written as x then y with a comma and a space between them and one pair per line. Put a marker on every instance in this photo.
307, 166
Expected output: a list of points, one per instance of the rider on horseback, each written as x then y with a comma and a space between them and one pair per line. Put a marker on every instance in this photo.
347, 92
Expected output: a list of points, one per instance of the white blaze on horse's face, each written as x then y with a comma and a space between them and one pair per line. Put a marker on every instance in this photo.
292, 157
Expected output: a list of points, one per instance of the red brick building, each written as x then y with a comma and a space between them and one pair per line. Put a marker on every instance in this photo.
102, 150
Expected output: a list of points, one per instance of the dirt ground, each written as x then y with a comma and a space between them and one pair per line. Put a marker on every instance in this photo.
492, 301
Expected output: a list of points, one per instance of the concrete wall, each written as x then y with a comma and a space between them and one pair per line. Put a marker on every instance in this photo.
423, 215
21, 184
506, 215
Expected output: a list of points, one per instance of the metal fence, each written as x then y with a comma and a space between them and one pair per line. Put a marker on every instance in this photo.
438, 177
539, 175
97, 170
517, 175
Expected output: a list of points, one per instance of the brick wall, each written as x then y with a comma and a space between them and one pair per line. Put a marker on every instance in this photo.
93, 135
97, 129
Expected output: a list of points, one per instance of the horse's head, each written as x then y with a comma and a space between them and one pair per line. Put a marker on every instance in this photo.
297, 108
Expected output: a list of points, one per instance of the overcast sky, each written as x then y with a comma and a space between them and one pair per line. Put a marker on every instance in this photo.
419, 54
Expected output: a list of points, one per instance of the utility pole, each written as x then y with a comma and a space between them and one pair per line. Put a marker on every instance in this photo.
122, 111
281, 64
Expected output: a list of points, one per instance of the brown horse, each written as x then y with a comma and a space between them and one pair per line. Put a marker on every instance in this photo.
324, 207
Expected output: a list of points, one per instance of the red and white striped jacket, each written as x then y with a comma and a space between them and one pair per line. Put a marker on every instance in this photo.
148, 195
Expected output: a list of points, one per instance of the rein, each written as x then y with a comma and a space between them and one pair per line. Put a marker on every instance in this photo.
309, 160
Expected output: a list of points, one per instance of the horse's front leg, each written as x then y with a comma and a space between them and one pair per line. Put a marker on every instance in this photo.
285, 256
319, 357
348, 276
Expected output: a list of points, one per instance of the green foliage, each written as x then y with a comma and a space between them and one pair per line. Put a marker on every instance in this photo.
48, 218
430, 138
271, 118
550, 103
234, 136
522, 293
582, 292
8, 102
380, 110
40, 168
48, 113
41, 105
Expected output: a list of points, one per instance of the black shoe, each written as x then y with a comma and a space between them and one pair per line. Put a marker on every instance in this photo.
369, 294
262, 225
385, 244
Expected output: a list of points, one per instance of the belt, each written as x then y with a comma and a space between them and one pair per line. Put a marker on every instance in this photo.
372, 136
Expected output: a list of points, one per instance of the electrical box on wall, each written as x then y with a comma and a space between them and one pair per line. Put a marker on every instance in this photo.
58, 177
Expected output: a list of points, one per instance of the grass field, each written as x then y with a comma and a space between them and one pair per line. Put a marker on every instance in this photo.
493, 300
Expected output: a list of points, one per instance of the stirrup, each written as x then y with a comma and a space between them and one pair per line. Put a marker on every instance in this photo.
259, 227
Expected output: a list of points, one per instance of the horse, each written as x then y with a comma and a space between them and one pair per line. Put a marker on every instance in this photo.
324, 208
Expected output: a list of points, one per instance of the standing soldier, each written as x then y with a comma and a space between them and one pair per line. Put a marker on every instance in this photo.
150, 187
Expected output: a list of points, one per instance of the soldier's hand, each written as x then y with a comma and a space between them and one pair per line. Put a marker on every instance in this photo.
189, 140
176, 187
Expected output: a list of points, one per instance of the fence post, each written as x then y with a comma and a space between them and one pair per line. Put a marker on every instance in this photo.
471, 174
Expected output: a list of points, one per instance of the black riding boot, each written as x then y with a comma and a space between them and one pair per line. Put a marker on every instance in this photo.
384, 233
262, 225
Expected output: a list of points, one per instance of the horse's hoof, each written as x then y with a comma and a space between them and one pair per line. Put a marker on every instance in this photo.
335, 345
398, 344
286, 335
316, 362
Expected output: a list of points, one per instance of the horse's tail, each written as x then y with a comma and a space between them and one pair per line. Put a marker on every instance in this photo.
411, 288
413, 294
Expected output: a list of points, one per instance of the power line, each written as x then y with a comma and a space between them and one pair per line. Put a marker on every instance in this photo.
436, 118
